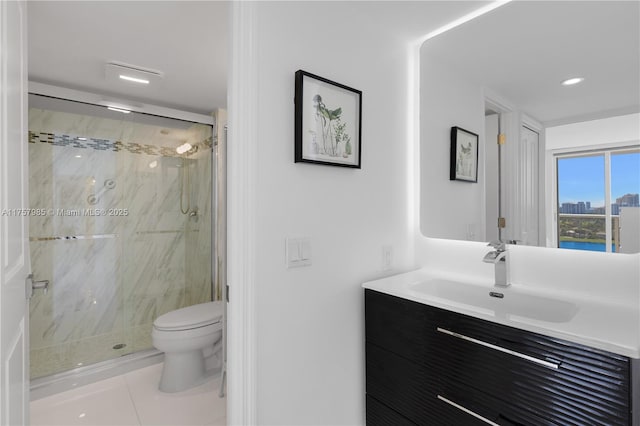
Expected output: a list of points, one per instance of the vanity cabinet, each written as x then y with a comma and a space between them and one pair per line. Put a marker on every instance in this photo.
429, 366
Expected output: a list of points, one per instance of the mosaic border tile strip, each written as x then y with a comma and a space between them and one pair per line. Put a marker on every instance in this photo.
113, 146
74, 237
159, 232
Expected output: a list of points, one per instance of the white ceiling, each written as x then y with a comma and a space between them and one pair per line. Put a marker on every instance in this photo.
523, 50
70, 42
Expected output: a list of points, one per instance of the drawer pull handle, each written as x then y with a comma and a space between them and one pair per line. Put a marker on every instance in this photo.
466, 410
542, 362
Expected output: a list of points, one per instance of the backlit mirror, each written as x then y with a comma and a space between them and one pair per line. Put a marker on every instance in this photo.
571, 161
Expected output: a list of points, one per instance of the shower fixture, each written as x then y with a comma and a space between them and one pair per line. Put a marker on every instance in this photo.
93, 199
185, 179
194, 214
186, 175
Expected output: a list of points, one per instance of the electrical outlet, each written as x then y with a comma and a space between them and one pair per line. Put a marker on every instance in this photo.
471, 232
387, 257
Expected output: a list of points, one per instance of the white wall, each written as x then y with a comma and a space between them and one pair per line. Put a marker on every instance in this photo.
310, 346
448, 209
624, 128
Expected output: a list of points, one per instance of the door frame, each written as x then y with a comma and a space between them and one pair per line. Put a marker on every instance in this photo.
15, 266
242, 195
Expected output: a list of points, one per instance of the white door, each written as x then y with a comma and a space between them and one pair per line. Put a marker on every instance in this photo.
491, 177
529, 172
14, 244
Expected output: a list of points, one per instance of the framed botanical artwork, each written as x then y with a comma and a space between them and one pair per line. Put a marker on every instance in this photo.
328, 119
464, 155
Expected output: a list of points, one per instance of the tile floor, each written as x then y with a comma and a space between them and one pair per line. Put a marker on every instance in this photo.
132, 399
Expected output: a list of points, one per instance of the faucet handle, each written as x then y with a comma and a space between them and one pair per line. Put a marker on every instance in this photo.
490, 257
498, 245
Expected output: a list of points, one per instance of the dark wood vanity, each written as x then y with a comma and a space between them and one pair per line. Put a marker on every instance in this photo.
429, 366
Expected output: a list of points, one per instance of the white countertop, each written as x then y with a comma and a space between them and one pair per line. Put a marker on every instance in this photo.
612, 326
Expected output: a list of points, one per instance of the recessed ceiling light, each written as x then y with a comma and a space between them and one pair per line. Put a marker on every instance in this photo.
119, 71
133, 79
572, 81
122, 110
78, 156
153, 164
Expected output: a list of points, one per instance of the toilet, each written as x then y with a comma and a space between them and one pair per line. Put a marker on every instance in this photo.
185, 336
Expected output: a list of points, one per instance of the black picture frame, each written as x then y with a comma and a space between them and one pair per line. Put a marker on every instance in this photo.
464, 155
328, 122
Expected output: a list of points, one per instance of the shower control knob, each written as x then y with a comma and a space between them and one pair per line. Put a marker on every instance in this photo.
42, 284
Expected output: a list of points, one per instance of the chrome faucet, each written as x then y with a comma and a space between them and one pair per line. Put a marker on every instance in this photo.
499, 258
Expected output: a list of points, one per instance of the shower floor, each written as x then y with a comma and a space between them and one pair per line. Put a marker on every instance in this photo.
55, 359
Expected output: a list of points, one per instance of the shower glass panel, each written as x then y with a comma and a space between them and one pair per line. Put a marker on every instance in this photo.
122, 230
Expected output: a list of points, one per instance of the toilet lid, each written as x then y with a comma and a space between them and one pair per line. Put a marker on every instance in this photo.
194, 316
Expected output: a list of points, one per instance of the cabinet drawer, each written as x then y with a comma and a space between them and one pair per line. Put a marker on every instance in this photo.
410, 389
400, 326
560, 381
419, 396
379, 414
489, 410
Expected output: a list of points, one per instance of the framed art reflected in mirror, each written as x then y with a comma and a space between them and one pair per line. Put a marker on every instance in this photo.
464, 155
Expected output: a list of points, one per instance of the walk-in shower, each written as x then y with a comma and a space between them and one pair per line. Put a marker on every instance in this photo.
125, 233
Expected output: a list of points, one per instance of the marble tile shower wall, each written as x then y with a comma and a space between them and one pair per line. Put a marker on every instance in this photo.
198, 236
111, 274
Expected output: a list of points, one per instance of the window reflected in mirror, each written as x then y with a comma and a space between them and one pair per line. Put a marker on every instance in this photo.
597, 205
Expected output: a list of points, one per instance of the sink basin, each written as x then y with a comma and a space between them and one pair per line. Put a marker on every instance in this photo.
515, 303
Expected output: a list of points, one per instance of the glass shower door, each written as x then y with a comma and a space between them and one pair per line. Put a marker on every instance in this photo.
125, 233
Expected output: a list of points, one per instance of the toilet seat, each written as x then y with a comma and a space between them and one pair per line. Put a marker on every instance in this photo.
196, 316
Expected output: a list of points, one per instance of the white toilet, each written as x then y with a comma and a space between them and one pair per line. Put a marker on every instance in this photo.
185, 336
